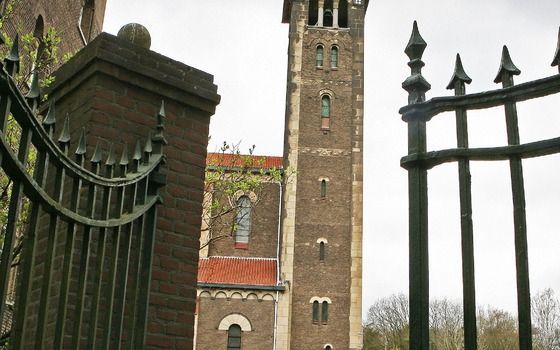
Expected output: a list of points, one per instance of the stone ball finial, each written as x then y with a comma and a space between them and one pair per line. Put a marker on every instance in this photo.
136, 34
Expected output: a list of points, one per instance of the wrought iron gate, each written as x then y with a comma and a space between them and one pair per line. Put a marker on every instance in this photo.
418, 161
85, 257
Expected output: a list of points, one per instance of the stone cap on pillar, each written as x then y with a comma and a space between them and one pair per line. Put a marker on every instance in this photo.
120, 59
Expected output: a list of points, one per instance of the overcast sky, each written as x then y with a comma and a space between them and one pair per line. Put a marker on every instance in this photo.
244, 45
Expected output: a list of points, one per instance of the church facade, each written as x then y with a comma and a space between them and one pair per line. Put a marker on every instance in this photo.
291, 275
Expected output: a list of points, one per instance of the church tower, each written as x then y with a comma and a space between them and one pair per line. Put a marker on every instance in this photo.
321, 255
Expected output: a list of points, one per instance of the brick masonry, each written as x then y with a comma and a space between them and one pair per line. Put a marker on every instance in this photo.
114, 90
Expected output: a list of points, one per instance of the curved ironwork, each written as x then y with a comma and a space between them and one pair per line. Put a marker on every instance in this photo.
418, 161
104, 214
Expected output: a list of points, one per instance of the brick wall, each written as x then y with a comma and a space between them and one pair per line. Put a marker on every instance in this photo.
114, 89
62, 15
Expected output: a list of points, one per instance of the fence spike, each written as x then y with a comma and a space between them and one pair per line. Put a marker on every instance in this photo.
137, 151
111, 156
124, 156
34, 93
556, 60
65, 134
159, 138
81, 149
506, 66
416, 85
12, 61
148, 148
97, 154
50, 118
416, 45
458, 74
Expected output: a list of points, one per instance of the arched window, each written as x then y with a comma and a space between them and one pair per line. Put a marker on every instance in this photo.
313, 13
328, 14
319, 56
243, 222
86, 20
234, 337
323, 188
316, 312
324, 312
325, 112
328, 347
38, 33
334, 57
343, 14
322, 251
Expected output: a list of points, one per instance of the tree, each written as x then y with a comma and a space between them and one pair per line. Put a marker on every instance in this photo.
497, 329
546, 320
387, 320
230, 176
446, 325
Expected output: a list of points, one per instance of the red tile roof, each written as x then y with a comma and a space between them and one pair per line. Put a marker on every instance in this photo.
252, 161
234, 270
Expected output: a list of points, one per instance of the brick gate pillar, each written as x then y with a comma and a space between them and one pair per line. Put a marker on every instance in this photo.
114, 89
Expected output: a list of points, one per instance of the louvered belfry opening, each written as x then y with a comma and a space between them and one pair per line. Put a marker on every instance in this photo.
417, 114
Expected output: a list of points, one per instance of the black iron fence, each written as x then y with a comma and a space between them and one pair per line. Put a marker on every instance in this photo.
418, 161
81, 260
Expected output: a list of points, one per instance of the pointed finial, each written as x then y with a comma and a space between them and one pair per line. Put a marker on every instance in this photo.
124, 156
159, 138
506, 66
81, 149
97, 154
12, 61
34, 93
459, 74
148, 148
137, 151
50, 118
111, 156
556, 60
65, 134
416, 45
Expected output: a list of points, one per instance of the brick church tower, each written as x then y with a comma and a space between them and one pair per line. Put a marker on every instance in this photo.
321, 255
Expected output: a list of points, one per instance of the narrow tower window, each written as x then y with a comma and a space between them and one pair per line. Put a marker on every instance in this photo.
322, 251
38, 33
234, 337
325, 312
328, 14
86, 20
316, 312
319, 56
323, 188
343, 14
243, 222
325, 112
313, 12
334, 57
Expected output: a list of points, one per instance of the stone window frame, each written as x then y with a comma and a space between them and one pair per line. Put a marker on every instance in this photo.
235, 318
323, 187
87, 14
317, 61
321, 302
326, 118
253, 200
322, 248
334, 48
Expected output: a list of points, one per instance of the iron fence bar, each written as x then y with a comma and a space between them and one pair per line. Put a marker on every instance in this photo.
419, 293
114, 260
144, 283
69, 250
458, 84
505, 76
101, 245
85, 253
42, 318
495, 98
141, 197
123, 276
30, 240
14, 210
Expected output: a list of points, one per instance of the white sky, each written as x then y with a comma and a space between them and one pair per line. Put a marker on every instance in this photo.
244, 45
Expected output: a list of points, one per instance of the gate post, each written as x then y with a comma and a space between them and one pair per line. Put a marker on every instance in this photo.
112, 86
417, 86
